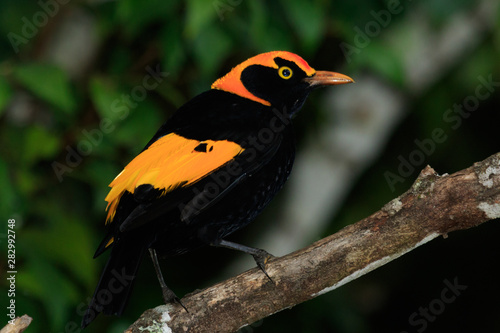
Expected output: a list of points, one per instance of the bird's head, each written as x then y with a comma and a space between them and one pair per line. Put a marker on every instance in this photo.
278, 79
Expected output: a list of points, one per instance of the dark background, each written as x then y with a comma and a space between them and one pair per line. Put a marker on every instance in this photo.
67, 67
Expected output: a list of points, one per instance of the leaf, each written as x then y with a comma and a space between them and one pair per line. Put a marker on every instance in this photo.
27, 181
106, 97
49, 83
39, 144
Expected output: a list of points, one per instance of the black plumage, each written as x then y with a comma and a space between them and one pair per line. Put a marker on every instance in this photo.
253, 119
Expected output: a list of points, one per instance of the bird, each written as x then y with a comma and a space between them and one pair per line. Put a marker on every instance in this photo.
209, 171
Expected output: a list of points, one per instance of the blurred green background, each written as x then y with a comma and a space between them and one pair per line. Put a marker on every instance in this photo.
77, 102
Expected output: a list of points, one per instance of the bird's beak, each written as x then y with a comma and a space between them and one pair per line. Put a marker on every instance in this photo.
324, 78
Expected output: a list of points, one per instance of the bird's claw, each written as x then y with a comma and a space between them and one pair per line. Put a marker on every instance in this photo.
170, 297
261, 258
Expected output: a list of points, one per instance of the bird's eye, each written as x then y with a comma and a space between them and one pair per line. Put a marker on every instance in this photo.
285, 72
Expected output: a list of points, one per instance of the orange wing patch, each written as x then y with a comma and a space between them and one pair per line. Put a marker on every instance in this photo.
170, 162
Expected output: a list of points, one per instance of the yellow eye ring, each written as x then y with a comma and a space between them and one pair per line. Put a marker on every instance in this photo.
285, 72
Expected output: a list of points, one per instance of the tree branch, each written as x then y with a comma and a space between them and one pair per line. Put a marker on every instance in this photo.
435, 205
18, 325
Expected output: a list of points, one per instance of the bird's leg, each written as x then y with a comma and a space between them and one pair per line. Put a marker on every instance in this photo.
260, 256
168, 295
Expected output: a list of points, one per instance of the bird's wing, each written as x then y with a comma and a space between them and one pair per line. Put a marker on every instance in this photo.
164, 176
169, 163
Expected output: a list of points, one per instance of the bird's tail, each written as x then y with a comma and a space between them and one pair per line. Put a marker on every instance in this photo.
114, 287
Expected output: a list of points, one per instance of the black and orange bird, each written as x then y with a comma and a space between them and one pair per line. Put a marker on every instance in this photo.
208, 171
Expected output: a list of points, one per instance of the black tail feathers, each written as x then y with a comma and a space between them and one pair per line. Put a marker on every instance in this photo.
114, 287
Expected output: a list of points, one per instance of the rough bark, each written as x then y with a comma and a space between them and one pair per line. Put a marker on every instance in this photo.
18, 325
435, 205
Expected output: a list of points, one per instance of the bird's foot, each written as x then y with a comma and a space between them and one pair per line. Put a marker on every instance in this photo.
170, 297
261, 258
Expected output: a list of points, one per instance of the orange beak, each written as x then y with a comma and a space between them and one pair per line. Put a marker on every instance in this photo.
324, 78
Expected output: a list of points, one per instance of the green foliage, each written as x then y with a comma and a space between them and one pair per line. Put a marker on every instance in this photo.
56, 88
308, 20
135, 15
5, 94
64, 135
9, 194
105, 97
33, 150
